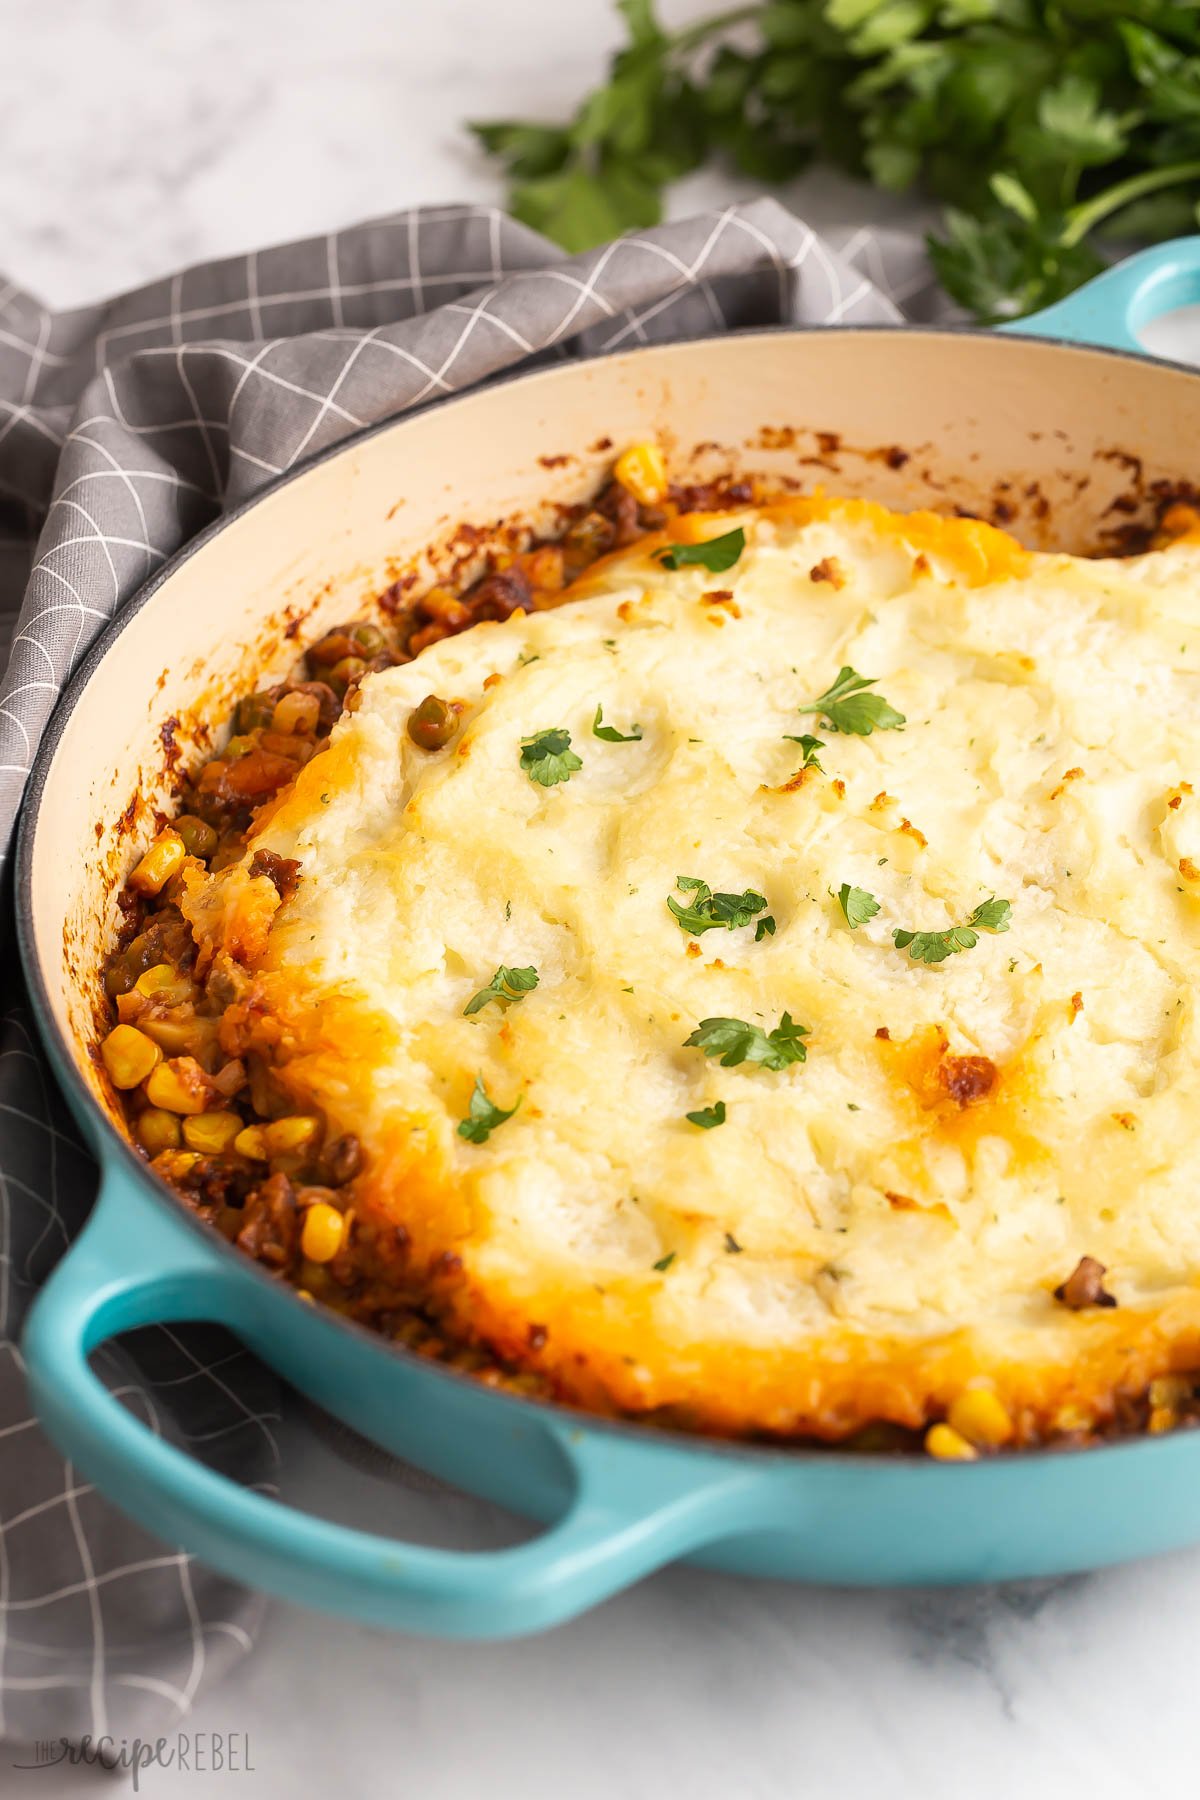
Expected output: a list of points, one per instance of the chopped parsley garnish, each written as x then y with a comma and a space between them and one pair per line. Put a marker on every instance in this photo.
847, 707
610, 734
732, 1245
857, 905
664, 1262
809, 745
506, 986
736, 1042
547, 757
708, 911
483, 1116
935, 946
708, 1116
717, 555
764, 928
992, 915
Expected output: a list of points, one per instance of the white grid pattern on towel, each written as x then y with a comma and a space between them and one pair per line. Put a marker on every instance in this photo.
124, 429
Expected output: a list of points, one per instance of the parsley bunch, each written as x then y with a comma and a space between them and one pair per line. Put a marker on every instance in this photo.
1036, 122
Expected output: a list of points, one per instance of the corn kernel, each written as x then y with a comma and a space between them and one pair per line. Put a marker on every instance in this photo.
157, 1130
174, 1036
162, 975
949, 1445
282, 1136
164, 983
161, 861
178, 1086
977, 1415
175, 1165
1162, 1418
1170, 1390
211, 1132
643, 470
252, 1143
1073, 1417
129, 1056
321, 1235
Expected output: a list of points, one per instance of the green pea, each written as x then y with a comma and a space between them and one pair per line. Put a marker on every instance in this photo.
431, 725
199, 839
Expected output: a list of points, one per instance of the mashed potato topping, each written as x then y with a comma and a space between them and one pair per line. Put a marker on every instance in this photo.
753, 1156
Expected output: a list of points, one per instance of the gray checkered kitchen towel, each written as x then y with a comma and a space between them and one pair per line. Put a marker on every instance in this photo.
124, 429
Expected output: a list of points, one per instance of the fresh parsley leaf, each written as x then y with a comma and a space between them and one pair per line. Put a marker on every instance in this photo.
483, 1116
764, 928
993, 915
717, 555
505, 987
857, 905
809, 745
708, 1116
664, 1262
709, 911
734, 1041
610, 734
849, 708
935, 946
547, 757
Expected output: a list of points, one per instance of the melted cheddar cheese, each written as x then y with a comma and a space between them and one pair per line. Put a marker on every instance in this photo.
873, 1228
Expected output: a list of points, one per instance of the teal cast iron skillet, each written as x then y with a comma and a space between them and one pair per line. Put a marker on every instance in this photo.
981, 412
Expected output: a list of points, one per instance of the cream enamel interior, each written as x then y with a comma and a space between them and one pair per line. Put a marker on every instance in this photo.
970, 411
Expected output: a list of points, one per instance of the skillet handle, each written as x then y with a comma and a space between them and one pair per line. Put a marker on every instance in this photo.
633, 1508
1114, 308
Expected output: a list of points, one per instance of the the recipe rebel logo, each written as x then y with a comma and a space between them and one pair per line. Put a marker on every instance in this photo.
193, 1753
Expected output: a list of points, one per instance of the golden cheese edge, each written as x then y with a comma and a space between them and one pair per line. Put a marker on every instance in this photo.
872, 1229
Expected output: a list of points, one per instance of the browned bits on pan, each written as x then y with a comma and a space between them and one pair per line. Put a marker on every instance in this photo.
1084, 1286
967, 1079
712, 496
283, 872
432, 724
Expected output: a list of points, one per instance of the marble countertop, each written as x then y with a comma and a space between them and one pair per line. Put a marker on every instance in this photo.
138, 137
